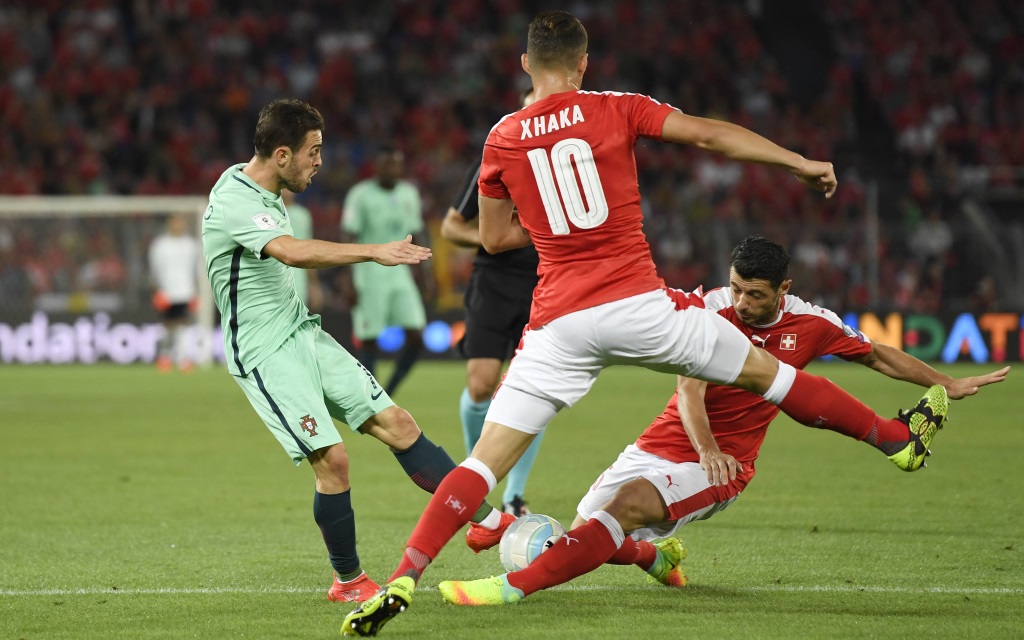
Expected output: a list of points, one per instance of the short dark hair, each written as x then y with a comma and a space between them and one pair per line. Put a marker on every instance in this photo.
285, 122
556, 39
760, 258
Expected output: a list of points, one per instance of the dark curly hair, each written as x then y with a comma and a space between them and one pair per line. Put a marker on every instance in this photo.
760, 258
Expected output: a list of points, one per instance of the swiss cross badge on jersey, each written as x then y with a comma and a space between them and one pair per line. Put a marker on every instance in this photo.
308, 424
788, 342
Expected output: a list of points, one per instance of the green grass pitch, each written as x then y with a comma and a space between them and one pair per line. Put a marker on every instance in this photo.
139, 505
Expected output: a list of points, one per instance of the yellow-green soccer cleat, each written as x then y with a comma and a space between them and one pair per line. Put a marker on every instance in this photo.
368, 618
924, 420
476, 593
667, 567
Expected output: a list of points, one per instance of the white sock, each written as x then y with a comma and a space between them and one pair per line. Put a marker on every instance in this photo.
492, 520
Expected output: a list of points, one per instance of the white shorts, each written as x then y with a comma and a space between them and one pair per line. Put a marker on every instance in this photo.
557, 364
683, 486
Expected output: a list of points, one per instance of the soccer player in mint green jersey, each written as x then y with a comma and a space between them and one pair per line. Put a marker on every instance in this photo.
294, 374
382, 209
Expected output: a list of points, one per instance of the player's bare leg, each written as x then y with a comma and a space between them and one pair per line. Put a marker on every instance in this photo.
482, 377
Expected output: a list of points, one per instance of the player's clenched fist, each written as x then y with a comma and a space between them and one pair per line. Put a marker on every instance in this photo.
401, 252
819, 176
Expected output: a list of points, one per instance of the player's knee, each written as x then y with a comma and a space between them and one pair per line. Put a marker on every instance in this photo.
331, 467
481, 387
402, 428
394, 427
636, 504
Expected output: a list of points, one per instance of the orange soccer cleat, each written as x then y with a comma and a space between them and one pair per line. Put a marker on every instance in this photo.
359, 590
480, 538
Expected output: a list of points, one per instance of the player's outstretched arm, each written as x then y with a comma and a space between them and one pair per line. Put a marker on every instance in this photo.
903, 366
500, 229
738, 143
720, 467
320, 254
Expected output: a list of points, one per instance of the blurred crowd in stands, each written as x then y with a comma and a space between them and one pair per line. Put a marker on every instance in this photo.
924, 98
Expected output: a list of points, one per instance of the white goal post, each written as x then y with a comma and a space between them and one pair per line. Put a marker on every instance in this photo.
14, 209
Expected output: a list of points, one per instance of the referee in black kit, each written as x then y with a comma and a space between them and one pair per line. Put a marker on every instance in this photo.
497, 309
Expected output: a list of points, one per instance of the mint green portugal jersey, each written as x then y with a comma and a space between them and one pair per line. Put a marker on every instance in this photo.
375, 215
255, 293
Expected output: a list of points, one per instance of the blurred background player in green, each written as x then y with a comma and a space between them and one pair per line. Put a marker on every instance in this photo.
381, 209
307, 282
295, 375
173, 266
497, 304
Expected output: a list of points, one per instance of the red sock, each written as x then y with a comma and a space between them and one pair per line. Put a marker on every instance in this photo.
818, 402
580, 551
448, 510
638, 552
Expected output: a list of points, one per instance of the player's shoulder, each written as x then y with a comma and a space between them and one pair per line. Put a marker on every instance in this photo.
620, 99
231, 195
800, 310
615, 96
717, 299
503, 128
236, 196
807, 316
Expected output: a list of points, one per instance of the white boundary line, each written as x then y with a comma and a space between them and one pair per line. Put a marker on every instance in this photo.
750, 589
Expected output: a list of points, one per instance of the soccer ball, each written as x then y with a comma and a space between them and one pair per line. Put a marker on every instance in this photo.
527, 538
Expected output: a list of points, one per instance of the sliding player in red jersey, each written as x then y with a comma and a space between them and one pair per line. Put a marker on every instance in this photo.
698, 455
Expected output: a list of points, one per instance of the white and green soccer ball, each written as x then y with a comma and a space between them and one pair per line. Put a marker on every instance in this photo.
527, 538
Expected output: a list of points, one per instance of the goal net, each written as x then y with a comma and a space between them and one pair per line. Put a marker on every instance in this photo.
75, 280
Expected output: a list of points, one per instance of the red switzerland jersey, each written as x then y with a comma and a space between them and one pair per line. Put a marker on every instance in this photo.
739, 419
567, 162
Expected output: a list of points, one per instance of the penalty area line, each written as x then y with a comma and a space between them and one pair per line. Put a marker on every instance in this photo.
108, 591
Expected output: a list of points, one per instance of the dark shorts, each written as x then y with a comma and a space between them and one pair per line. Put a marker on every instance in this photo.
497, 312
178, 311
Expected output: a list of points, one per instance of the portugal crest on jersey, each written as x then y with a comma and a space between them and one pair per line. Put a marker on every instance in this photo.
308, 424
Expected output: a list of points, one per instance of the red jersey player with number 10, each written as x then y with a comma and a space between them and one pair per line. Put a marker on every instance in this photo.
571, 161
567, 162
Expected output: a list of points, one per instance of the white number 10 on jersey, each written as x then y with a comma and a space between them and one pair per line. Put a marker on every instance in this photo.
563, 155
